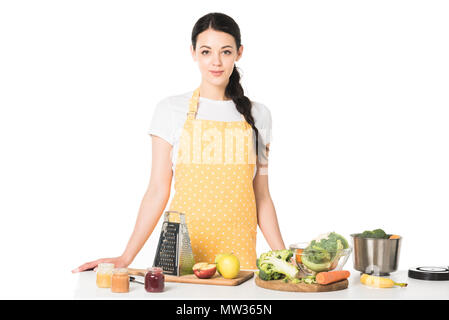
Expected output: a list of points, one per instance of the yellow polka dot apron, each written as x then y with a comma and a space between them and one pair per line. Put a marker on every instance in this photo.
214, 187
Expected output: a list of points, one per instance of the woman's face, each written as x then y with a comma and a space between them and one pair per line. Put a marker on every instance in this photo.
216, 51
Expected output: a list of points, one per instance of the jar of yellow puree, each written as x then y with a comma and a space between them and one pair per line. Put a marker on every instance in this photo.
104, 275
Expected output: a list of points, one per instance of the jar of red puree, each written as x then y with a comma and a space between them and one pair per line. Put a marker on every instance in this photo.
154, 280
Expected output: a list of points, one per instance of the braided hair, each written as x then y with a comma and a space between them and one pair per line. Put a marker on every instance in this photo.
234, 90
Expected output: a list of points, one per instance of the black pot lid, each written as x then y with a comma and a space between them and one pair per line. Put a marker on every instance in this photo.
429, 273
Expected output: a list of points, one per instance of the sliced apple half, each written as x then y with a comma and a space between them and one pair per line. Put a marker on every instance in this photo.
204, 270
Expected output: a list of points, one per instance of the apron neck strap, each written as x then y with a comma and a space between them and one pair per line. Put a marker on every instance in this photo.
193, 104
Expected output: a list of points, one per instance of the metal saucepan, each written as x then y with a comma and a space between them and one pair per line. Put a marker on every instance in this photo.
376, 256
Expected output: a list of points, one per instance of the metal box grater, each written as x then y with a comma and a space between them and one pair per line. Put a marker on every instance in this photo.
174, 251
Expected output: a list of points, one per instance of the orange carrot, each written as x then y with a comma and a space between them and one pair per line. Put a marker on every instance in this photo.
298, 255
394, 236
331, 276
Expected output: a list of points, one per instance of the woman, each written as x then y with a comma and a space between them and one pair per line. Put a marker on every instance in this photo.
201, 138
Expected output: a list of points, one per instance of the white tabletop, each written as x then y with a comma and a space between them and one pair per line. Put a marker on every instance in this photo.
417, 289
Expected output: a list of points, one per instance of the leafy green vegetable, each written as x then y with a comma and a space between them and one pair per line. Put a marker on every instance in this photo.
307, 280
321, 253
296, 280
274, 265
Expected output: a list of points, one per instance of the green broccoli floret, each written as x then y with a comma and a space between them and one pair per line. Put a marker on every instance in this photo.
274, 265
379, 234
376, 234
317, 254
280, 254
367, 234
263, 275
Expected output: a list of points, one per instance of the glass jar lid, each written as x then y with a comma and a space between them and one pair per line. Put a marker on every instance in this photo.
120, 271
104, 266
155, 270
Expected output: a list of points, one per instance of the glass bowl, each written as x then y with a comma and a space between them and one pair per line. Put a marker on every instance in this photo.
311, 261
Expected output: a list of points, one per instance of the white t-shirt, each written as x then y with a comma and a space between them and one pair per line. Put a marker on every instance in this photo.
171, 113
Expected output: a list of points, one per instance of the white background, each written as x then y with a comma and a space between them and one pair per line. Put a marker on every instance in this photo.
358, 92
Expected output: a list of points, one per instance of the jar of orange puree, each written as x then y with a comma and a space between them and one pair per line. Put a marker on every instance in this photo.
104, 275
120, 280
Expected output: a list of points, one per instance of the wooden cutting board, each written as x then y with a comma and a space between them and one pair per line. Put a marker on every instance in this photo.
191, 278
300, 287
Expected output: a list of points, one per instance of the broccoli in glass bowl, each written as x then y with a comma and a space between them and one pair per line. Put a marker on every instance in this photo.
324, 253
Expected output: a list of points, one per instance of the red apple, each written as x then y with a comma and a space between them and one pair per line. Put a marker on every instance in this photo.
204, 270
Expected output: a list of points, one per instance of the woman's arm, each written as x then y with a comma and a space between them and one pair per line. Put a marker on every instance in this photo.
155, 198
151, 208
266, 214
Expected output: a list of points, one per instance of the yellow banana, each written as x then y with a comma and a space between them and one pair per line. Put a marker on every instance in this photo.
379, 282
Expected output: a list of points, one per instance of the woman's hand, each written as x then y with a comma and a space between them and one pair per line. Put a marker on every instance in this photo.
119, 262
